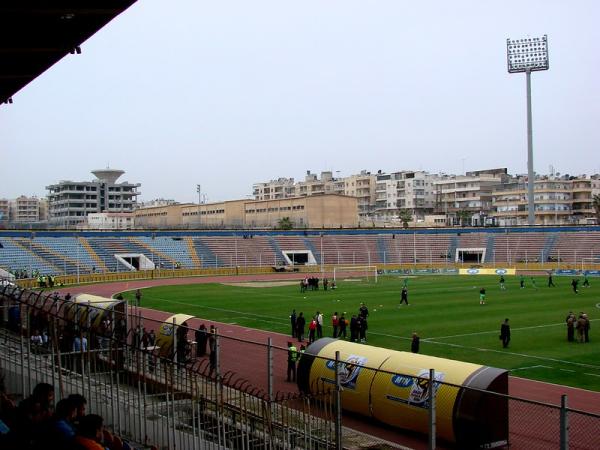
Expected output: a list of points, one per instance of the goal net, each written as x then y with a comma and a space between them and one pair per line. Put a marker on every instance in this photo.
589, 264
368, 273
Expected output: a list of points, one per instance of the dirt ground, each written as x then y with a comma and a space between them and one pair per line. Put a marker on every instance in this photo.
262, 284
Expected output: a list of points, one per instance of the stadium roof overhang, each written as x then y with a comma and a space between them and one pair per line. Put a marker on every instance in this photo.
36, 34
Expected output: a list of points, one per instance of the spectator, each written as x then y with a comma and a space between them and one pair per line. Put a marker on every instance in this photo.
80, 404
90, 433
62, 429
201, 339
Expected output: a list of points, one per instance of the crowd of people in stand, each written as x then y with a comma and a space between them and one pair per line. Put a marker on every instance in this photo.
36, 423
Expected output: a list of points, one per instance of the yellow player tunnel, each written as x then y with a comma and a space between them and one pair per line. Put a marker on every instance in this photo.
89, 310
165, 337
392, 387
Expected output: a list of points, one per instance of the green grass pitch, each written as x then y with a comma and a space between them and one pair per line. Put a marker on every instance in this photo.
444, 311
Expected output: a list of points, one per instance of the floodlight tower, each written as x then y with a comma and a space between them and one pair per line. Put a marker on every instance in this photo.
528, 55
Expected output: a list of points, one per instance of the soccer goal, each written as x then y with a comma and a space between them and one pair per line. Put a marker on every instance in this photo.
590, 264
368, 273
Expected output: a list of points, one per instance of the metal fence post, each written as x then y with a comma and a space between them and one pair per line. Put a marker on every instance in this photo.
270, 368
431, 396
338, 403
564, 423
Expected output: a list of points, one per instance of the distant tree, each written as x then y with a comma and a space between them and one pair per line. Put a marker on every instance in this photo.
464, 217
405, 216
285, 224
596, 205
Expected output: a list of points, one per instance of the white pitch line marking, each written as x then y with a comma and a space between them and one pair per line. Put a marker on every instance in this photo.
496, 331
504, 352
530, 367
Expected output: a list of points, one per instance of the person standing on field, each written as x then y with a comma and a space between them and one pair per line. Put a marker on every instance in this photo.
550, 281
343, 323
415, 343
300, 324
505, 333
574, 283
571, 327
482, 296
319, 325
580, 327
335, 321
586, 282
312, 328
502, 285
586, 328
404, 295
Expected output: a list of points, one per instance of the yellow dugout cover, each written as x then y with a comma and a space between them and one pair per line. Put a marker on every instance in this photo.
166, 332
392, 387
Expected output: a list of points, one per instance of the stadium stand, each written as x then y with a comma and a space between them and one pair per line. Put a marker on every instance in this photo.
59, 253
572, 247
14, 256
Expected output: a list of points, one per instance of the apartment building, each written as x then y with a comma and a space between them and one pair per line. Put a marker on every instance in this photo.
24, 209
363, 187
4, 210
406, 190
558, 201
69, 202
471, 193
274, 189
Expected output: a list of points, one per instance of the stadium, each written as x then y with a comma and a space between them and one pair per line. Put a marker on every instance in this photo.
191, 339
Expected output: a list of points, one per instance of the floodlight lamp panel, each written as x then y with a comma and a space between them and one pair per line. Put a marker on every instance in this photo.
528, 54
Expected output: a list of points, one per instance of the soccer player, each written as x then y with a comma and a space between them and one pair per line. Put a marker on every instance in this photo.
502, 281
482, 296
586, 282
404, 296
522, 282
533, 283
550, 282
574, 283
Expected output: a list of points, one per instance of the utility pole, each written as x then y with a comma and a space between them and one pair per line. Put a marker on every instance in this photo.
199, 191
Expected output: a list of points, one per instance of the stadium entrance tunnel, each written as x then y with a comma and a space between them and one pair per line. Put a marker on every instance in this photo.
393, 387
298, 257
135, 261
470, 255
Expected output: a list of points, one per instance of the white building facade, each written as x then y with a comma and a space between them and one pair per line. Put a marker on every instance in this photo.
69, 202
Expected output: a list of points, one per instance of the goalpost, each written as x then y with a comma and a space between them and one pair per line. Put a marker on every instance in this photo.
366, 272
590, 264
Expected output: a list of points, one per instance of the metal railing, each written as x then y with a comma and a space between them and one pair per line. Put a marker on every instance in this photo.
180, 401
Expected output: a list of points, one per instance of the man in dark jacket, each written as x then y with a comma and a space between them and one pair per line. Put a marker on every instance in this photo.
415, 343
300, 324
293, 318
505, 333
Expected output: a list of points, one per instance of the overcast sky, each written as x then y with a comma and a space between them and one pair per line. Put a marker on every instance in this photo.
229, 93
